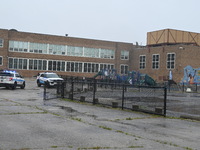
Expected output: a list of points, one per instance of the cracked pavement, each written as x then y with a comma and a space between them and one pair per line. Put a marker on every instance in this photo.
28, 122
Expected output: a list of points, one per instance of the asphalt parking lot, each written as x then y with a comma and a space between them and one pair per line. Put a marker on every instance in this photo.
28, 122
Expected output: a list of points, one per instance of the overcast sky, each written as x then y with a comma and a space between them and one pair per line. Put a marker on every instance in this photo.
111, 20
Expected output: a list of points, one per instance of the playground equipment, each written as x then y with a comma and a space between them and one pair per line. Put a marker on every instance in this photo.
191, 75
133, 77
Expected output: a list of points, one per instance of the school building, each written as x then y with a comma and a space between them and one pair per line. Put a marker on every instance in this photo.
31, 53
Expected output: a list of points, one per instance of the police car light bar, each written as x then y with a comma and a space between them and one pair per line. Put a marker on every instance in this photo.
9, 71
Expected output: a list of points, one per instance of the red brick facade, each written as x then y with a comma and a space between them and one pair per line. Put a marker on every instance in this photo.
184, 55
8, 35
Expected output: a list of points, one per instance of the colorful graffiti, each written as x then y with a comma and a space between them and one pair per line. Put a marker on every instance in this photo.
191, 75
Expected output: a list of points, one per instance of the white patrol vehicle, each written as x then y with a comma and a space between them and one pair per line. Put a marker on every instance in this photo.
11, 79
48, 78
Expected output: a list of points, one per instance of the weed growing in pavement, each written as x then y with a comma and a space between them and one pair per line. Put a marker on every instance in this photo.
77, 119
104, 127
187, 148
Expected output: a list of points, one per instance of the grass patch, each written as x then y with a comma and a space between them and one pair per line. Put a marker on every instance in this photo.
77, 119
104, 127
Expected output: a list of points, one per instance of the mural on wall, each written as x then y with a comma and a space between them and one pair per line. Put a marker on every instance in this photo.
191, 75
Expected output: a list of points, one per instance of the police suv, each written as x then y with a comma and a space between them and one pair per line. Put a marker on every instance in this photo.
11, 79
48, 78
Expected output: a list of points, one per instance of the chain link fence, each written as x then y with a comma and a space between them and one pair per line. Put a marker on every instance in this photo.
113, 94
173, 100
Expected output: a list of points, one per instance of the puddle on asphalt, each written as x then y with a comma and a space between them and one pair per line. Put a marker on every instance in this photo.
73, 112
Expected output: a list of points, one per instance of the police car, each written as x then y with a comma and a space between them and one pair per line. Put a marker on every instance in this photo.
11, 79
48, 78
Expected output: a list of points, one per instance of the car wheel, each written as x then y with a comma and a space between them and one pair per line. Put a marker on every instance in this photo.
38, 83
23, 85
14, 86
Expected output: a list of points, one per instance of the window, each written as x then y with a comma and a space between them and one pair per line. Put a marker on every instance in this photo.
15, 63
18, 46
171, 60
91, 52
85, 67
57, 49
10, 63
76, 66
68, 66
25, 63
142, 61
55, 65
44, 65
72, 67
124, 69
42, 48
20, 63
155, 61
80, 67
30, 64
107, 53
62, 66
124, 55
1, 42
74, 51
1, 60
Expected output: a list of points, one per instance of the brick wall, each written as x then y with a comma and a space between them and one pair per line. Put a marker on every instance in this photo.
62, 40
185, 55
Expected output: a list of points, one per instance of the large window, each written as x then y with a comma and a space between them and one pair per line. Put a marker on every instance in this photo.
106, 53
1, 60
56, 65
74, 51
17, 63
155, 61
57, 49
38, 48
91, 52
41, 48
1, 42
23, 63
124, 55
124, 69
18, 46
142, 61
171, 60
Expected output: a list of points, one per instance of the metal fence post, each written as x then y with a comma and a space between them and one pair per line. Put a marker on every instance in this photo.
45, 92
94, 90
62, 89
72, 90
165, 100
123, 89
58, 92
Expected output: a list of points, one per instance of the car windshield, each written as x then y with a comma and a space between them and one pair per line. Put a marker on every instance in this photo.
53, 75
